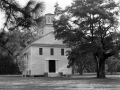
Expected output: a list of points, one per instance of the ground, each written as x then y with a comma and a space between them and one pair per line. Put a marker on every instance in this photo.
85, 82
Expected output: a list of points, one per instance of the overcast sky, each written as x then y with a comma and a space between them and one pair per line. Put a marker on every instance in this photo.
49, 4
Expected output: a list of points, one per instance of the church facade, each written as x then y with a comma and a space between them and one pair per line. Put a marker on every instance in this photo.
46, 56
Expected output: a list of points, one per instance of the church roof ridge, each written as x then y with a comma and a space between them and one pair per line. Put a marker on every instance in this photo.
49, 14
36, 40
43, 36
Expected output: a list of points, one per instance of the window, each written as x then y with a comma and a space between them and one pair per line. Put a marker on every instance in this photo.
51, 51
62, 51
49, 19
40, 51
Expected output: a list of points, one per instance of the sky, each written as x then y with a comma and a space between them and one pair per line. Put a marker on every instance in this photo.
49, 6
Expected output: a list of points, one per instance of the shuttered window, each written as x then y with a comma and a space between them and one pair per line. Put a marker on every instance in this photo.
51, 51
62, 52
40, 51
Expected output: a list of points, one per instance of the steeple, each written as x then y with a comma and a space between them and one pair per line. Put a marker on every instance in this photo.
48, 23
49, 19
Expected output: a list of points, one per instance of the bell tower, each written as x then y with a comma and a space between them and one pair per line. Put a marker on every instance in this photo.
49, 19
48, 23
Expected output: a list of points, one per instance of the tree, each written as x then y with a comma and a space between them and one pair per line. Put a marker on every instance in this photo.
27, 20
23, 22
7, 66
21, 18
83, 61
12, 43
22, 26
91, 26
113, 64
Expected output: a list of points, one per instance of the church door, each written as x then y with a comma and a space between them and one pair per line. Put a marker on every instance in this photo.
52, 66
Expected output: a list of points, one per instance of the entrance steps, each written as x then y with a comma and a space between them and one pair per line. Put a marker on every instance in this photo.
53, 75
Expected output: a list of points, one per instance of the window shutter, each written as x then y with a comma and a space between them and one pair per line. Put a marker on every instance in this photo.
40, 51
51, 51
62, 51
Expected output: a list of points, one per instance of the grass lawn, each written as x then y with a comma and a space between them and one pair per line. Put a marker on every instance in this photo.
85, 82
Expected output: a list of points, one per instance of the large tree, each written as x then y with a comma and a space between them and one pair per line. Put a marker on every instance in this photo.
18, 17
90, 26
21, 24
21, 27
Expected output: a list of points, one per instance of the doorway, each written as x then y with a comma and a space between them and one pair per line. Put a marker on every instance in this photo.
52, 66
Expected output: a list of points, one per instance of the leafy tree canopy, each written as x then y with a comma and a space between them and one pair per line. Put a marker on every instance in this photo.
18, 17
90, 26
22, 26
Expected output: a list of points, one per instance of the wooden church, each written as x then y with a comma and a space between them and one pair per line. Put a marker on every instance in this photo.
46, 56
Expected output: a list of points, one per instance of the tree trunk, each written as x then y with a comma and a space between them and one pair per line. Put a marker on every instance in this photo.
97, 69
97, 64
81, 72
100, 65
111, 73
101, 69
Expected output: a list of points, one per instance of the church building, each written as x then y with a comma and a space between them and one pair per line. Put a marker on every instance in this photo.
47, 55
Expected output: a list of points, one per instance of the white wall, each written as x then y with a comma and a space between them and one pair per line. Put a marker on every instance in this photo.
39, 61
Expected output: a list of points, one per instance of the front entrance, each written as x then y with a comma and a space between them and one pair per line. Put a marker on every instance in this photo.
52, 66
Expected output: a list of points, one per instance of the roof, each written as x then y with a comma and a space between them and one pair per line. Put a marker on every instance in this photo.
49, 14
47, 40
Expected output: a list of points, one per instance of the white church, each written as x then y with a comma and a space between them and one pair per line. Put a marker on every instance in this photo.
46, 56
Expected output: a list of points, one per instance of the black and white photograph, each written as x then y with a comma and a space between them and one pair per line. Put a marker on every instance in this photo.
59, 44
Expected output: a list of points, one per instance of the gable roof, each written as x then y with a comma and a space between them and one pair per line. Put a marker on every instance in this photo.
47, 40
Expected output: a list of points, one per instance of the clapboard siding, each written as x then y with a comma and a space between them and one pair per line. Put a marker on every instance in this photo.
28, 60
46, 52
38, 61
38, 64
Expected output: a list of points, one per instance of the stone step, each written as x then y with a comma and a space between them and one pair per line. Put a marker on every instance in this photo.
53, 75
